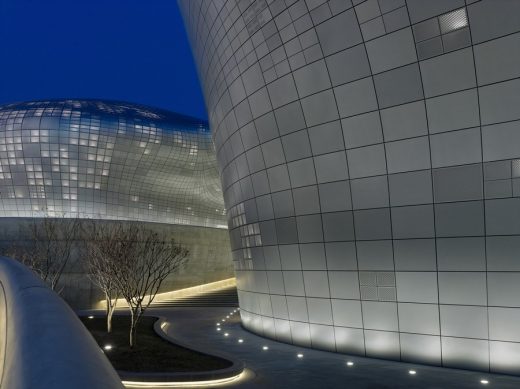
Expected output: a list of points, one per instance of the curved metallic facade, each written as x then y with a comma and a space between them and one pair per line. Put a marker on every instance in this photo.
371, 171
107, 160
113, 161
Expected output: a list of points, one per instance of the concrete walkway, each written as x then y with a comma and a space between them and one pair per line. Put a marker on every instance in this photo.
280, 367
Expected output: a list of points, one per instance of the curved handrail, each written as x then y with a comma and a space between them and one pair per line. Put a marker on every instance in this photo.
43, 344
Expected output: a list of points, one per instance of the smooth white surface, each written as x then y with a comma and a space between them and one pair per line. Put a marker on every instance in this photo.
46, 346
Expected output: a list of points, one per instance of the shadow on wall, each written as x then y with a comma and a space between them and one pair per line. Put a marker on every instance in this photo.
210, 258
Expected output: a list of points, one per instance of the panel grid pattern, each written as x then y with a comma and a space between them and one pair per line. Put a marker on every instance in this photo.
371, 137
107, 160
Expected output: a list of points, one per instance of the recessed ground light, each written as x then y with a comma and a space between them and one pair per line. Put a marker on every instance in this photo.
107, 347
91, 317
484, 382
223, 320
299, 355
412, 372
350, 363
227, 317
218, 324
226, 334
218, 329
240, 340
265, 348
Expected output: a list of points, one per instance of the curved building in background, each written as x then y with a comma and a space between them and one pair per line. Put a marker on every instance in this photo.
114, 161
370, 162
107, 160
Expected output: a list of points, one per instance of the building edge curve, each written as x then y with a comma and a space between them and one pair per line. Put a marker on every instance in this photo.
369, 173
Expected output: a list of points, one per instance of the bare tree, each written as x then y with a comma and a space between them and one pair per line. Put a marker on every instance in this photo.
49, 248
99, 261
149, 259
132, 262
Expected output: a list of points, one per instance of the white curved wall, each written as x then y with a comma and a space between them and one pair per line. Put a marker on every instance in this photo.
42, 342
370, 166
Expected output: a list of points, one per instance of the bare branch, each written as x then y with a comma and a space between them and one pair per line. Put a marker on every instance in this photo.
49, 248
141, 260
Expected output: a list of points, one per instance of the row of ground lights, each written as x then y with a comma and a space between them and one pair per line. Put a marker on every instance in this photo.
300, 355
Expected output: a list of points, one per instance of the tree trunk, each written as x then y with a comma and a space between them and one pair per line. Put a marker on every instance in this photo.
132, 328
111, 307
109, 324
109, 317
109, 320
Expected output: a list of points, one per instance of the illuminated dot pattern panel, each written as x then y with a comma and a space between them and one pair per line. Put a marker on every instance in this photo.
370, 161
107, 160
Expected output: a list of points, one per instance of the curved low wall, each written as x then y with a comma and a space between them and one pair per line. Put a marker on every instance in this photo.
209, 377
42, 342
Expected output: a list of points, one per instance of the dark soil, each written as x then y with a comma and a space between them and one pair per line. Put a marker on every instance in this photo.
151, 352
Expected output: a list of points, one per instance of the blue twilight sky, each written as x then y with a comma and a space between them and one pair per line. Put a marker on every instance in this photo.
130, 50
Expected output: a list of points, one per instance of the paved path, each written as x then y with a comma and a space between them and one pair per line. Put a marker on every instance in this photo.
279, 366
